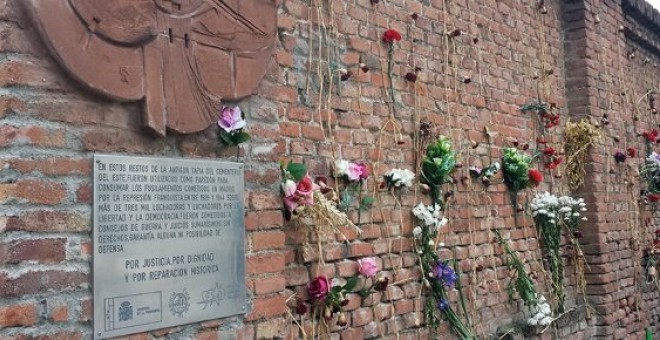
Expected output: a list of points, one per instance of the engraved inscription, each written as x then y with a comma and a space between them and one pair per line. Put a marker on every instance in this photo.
171, 226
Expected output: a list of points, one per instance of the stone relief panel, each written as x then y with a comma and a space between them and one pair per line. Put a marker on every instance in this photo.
180, 57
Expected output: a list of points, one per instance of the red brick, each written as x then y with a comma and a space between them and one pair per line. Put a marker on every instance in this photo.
33, 191
265, 240
51, 250
49, 221
18, 315
268, 285
267, 307
265, 263
34, 135
41, 282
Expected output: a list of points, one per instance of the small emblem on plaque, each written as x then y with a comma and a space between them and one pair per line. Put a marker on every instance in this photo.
179, 303
212, 296
125, 311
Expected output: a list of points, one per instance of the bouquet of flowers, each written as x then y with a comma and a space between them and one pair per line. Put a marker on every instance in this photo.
550, 214
651, 173
438, 165
328, 299
517, 172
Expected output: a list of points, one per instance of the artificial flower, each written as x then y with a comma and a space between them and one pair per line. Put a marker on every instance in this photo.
400, 177
391, 35
535, 177
620, 157
319, 288
653, 197
368, 266
341, 168
357, 171
231, 119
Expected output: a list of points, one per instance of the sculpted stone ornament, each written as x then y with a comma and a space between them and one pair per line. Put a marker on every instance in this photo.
180, 57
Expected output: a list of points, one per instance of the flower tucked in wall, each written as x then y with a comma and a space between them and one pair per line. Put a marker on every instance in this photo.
352, 172
411, 77
354, 175
438, 164
368, 266
620, 157
231, 123
319, 288
328, 299
542, 314
650, 136
548, 114
296, 194
517, 172
553, 214
391, 36
397, 178
632, 152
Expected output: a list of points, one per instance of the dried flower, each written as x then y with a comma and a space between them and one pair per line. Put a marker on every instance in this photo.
319, 288
411, 77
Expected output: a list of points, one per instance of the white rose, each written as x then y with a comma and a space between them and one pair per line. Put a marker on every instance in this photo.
341, 168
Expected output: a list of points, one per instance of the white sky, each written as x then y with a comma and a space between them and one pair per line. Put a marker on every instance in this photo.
654, 3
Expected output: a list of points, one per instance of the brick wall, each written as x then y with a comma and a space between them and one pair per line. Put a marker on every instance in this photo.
576, 55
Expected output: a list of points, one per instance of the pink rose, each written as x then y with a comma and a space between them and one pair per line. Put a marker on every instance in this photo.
231, 119
357, 171
288, 191
298, 194
319, 288
368, 266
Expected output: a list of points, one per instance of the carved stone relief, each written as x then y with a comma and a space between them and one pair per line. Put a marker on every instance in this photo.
180, 57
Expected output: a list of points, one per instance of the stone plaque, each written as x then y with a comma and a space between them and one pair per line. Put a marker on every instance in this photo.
168, 243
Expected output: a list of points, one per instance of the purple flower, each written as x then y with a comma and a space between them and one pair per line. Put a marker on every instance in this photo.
620, 157
443, 305
231, 119
444, 274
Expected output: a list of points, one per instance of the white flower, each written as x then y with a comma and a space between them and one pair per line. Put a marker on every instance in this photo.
545, 309
431, 243
565, 209
417, 232
584, 218
341, 168
532, 322
583, 209
545, 321
443, 222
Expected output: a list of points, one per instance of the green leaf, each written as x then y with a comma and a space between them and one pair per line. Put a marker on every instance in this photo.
225, 138
336, 289
350, 283
367, 202
240, 137
297, 170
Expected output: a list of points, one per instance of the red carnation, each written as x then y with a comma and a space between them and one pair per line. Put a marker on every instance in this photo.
653, 197
554, 164
549, 151
535, 177
391, 35
632, 152
651, 136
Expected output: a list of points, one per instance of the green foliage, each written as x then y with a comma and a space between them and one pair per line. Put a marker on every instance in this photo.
522, 283
296, 170
438, 163
233, 138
